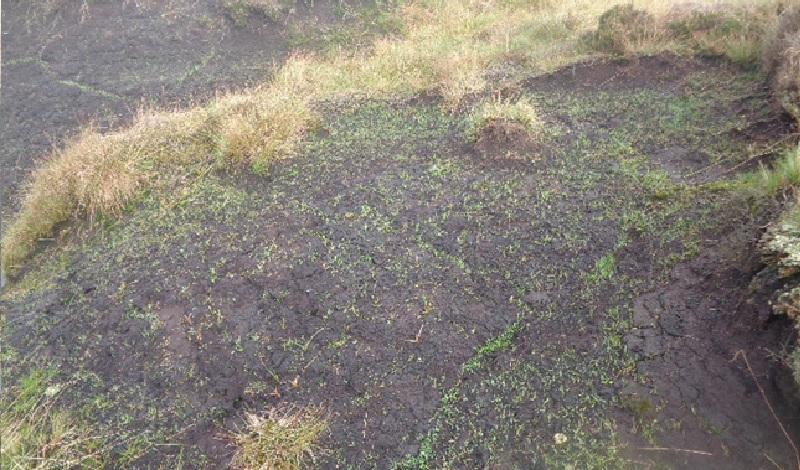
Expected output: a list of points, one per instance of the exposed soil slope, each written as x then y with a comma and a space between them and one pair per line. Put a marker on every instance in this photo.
452, 304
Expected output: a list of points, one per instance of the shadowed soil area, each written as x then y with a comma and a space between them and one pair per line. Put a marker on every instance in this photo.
575, 302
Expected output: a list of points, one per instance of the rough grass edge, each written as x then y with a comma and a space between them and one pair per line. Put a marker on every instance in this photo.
98, 174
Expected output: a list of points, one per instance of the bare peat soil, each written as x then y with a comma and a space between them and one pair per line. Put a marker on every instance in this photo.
68, 64
579, 301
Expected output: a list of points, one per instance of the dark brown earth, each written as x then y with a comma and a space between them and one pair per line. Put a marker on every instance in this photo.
68, 63
707, 343
365, 274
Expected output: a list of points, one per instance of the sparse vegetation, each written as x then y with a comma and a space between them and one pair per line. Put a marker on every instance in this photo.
385, 246
283, 438
604, 269
499, 343
242, 11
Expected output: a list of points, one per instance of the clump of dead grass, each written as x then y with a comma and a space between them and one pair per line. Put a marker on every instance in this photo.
263, 126
283, 438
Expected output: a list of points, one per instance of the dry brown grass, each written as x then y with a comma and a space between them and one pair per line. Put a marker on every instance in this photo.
448, 46
262, 126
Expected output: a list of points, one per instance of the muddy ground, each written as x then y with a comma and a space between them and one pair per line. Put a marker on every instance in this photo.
581, 300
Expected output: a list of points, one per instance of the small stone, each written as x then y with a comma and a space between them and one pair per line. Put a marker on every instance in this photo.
561, 438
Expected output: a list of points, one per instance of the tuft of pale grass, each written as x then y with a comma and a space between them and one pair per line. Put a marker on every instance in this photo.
35, 434
520, 111
263, 126
283, 438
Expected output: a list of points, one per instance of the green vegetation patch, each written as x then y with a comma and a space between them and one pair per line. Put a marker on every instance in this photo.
38, 432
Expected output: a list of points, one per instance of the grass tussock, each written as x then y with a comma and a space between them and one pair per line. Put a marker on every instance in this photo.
97, 174
35, 434
734, 31
284, 438
520, 111
455, 47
